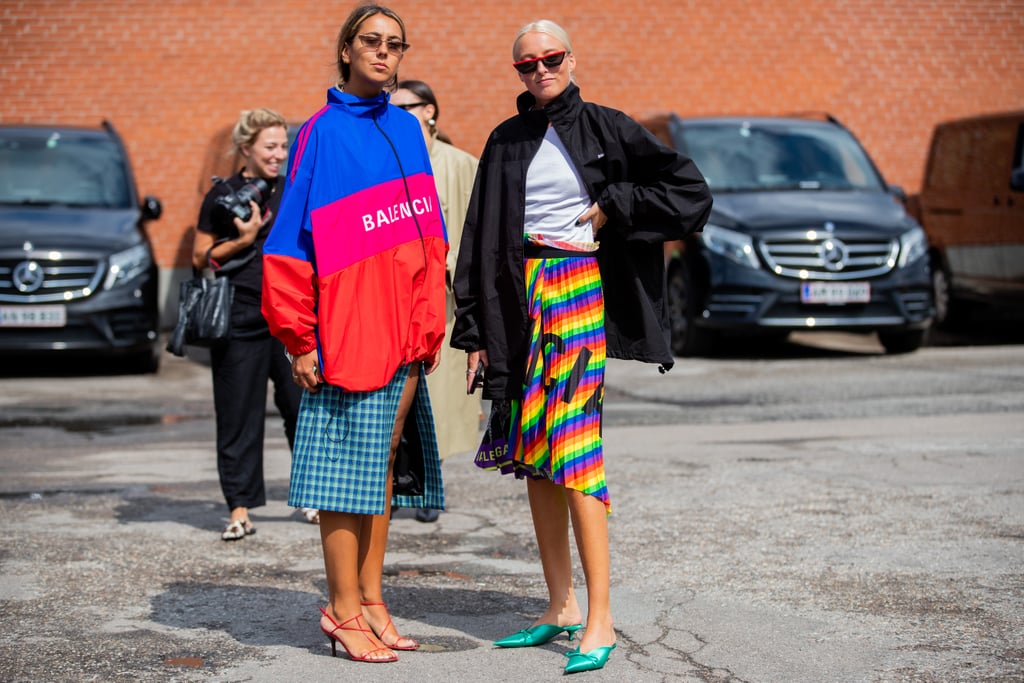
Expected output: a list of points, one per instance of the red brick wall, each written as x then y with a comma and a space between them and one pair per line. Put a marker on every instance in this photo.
169, 74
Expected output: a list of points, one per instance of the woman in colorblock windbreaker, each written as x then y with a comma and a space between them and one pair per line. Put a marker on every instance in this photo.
354, 286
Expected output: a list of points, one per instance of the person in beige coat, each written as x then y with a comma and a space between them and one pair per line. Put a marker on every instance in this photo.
456, 415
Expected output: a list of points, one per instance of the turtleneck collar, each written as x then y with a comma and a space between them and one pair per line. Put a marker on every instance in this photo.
359, 106
568, 103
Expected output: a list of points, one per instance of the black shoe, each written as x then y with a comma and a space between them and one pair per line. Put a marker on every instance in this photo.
427, 515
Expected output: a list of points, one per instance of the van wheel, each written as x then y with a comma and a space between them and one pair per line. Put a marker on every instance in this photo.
144, 362
687, 338
902, 342
947, 309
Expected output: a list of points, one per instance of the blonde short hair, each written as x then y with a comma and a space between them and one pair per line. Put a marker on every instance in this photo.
543, 26
251, 123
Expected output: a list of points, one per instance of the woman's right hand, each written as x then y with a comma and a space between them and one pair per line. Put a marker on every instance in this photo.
476, 362
248, 230
306, 371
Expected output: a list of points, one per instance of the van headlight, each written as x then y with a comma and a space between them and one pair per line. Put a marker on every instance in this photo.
731, 244
126, 265
913, 245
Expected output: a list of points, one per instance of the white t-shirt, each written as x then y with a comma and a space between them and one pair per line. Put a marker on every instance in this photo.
555, 195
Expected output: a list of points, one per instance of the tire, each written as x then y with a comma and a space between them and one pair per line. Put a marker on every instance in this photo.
902, 342
948, 311
687, 338
144, 362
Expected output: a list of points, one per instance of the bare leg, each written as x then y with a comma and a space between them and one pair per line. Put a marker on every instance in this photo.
240, 514
590, 526
339, 534
374, 532
551, 525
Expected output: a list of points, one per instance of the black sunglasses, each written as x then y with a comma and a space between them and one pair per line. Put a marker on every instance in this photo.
528, 66
412, 105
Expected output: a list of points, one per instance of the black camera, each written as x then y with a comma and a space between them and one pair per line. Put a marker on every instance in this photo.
237, 203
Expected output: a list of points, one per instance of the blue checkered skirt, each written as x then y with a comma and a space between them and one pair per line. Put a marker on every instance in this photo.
342, 444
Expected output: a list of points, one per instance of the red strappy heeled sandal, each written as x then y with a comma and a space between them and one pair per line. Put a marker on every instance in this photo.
366, 656
390, 625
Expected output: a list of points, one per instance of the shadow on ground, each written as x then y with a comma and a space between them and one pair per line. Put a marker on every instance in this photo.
290, 617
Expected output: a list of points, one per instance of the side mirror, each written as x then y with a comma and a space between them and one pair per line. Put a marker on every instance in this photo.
151, 208
899, 193
1017, 179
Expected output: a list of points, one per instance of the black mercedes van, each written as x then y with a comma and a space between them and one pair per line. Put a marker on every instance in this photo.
77, 274
805, 234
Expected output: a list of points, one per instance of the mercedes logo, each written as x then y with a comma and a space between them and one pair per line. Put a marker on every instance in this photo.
28, 276
833, 254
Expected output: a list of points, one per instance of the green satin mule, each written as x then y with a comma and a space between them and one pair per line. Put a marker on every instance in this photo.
536, 635
587, 661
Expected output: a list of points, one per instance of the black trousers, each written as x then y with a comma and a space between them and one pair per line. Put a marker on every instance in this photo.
241, 369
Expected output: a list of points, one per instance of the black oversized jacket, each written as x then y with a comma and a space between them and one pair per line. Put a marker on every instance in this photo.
651, 194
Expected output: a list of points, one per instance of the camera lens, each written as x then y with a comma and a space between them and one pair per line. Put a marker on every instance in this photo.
237, 203
253, 191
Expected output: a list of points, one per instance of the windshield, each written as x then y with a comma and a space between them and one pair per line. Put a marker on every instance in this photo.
747, 156
52, 167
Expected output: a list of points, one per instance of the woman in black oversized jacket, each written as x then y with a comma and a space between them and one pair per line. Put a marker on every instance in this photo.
650, 193
532, 288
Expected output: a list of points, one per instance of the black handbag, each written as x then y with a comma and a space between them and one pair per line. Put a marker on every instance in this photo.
408, 475
204, 311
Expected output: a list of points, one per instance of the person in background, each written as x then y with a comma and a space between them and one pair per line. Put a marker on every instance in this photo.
241, 367
353, 279
561, 263
456, 413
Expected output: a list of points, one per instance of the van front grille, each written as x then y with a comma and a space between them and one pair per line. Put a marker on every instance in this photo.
46, 280
817, 255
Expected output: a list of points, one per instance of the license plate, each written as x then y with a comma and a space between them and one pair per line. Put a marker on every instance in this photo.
835, 292
33, 316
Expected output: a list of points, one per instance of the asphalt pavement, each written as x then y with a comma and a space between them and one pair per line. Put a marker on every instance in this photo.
881, 547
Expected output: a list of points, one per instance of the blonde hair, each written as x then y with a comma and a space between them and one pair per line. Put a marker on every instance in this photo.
251, 123
552, 29
543, 26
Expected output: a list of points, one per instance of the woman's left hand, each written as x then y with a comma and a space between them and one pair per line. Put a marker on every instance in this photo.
430, 365
306, 371
596, 216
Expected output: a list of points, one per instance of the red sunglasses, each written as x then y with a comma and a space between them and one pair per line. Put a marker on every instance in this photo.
528, 66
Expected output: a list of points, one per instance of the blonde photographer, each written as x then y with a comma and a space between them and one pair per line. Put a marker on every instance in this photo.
234, 221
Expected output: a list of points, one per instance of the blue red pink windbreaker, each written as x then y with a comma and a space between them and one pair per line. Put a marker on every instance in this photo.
355, 263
